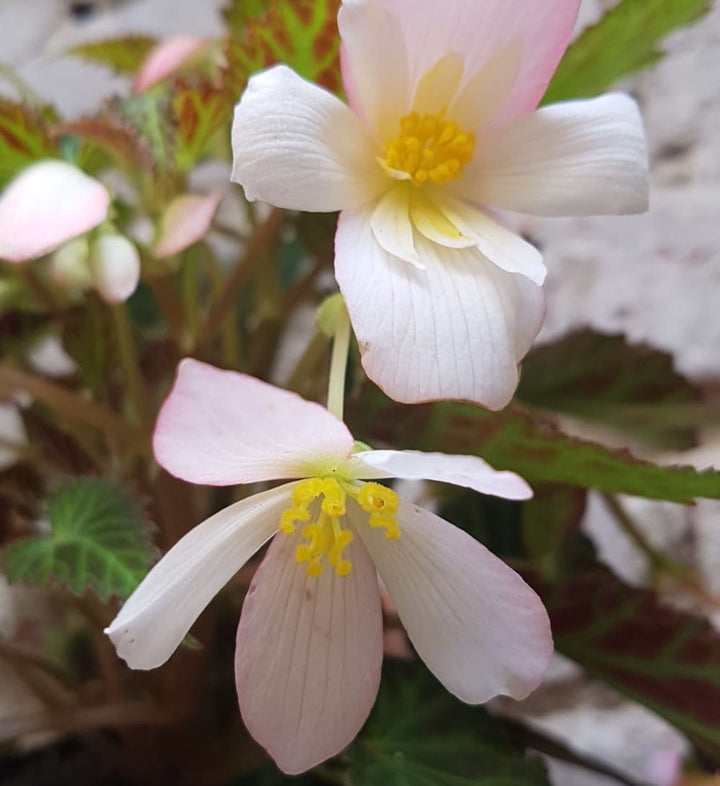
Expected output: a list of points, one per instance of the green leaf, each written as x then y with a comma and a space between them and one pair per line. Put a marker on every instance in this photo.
24, 138
199, 110
303, 34
98, 540
625, 40
603, 379
666, 659
516, 440
124, 55
237, 13
418, 734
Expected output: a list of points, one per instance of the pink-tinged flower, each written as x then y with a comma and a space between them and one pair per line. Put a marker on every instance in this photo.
309, 642
441, 127
186, 220
46, 205
165, 58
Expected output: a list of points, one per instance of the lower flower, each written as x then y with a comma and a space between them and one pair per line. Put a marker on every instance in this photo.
309, 641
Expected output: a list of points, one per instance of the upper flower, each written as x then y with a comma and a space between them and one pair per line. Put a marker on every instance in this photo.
309, 642
440, 126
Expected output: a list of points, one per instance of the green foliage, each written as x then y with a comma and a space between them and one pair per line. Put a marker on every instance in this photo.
24, 137
124, 55
199, 111
625, 40
237, 13
418, 734
516, 440
302, 34
666, 659
603, 379
98, 541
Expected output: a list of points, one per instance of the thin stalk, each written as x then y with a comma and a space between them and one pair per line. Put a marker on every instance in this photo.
338, 366
130, 363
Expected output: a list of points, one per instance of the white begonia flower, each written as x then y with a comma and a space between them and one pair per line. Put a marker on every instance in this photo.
441, 126
309, 641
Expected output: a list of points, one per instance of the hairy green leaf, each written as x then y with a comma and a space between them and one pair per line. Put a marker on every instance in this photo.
124, 55
98, 540
625, 40
199, 110
666, 659
237, 13
603, 379
418, 734
24, 138
517, 440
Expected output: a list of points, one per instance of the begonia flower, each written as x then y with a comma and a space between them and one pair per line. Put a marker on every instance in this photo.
48, 204
309, 641
442, 125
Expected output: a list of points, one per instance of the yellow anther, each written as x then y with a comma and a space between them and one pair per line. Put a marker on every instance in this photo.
428, 148
320, 504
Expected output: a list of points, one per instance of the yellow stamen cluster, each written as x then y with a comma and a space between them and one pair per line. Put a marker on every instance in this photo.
428, 148
322, 533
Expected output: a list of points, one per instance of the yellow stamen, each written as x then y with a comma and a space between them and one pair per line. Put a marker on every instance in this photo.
323, 537
428, 148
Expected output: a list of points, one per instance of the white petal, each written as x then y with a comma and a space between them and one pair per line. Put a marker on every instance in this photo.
392, 227
467, 471
308, 656
374, 66
158, 615
297, 146
570, 159
501, 246
477, 625
434, 224
219, 428
454, 330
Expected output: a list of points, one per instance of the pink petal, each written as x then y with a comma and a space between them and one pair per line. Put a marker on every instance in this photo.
570, 159
467, 471
477, 625
455, 330
308, 655
115, 264
158, 615
46, 205
298, 146
220, 428
185, 221
374, 66
476, 29
165, 58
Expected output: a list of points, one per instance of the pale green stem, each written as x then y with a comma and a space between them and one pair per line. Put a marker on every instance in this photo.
338, 366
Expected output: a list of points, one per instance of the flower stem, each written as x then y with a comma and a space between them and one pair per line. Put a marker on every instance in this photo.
338, 365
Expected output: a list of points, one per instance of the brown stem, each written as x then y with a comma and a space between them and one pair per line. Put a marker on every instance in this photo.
72, 407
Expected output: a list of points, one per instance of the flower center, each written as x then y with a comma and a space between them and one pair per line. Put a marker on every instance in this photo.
322, 533
428, 148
